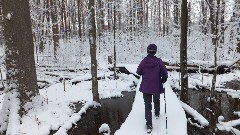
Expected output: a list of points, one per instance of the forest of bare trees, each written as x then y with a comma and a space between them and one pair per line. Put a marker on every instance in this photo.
63, 19
46, 22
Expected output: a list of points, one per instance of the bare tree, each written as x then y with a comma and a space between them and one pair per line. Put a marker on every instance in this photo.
164, 17
100, 14
55, 28
159, 18
235, 18
189, 17
214, 10
109, 4
183, 52
204, 16
1, 24
222, 20
131, 17
140, 12
63, 26
146, 4
42, 24
93, 47
167, 16
20, 63
176, 13
114, 46
79, 4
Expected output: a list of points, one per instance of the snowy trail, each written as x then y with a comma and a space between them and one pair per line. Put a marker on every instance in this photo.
176, 118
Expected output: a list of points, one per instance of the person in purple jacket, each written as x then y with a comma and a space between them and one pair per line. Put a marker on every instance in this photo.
154, 74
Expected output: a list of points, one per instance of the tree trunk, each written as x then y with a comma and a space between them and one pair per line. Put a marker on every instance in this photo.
83, 24
109, 14
131, 18
183, 52
119, 15
147, 13
64, 19
79, 19
167, 17
102, 15
204, 17
1, 24
159, 18
55, 29
43, 34
48, 19
216, 37
74, 19
20, 63
213, 20
176, 13
114, 47
92, 41
140, 13
189, 18
222, 21
100, 21
164, 17
134, 15
236, 18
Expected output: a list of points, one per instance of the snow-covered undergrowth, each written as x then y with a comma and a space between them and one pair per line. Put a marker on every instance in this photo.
51, 109
197, 116
229, 125
199, 80
75, 53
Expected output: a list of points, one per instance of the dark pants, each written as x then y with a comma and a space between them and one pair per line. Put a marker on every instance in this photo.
148, 106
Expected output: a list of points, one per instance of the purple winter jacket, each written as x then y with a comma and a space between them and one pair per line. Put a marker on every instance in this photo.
154, 74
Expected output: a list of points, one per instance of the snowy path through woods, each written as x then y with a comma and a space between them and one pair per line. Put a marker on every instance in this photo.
176, 117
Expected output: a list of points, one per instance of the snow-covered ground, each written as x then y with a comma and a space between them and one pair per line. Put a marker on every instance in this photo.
51, 110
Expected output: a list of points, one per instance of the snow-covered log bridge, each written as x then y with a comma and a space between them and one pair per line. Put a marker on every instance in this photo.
176, 117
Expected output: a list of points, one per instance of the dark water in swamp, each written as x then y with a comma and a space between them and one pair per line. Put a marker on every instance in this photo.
224, 106
112, 112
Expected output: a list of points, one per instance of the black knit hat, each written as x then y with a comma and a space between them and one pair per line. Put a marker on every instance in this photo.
152, 48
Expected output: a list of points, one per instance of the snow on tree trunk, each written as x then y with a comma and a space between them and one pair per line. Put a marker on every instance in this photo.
93, 46
20, 63
215, 38
183, 52
235, 18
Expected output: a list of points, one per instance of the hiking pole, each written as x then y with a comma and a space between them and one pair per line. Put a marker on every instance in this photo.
165, 108
233, 132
